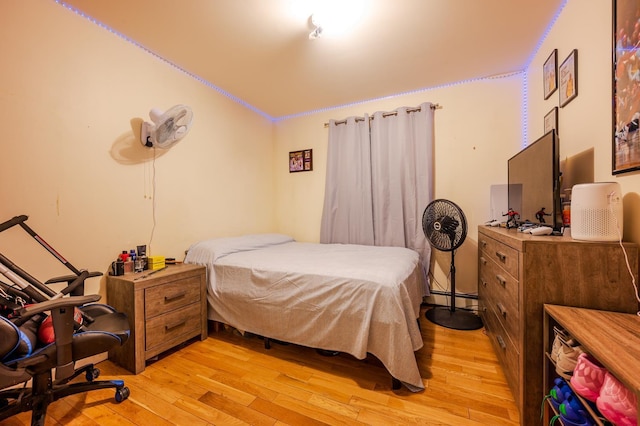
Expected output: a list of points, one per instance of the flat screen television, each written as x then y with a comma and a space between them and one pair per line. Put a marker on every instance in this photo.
534, 183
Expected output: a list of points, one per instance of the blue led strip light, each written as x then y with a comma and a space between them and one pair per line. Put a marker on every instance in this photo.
411, 92
276, 119
190, 74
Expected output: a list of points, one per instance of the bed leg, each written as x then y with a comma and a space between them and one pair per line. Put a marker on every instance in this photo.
267, 343
395, 384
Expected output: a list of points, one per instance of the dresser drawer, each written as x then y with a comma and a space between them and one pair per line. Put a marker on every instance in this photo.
507, 353
167, 297
500, 292
505, 256
175, 325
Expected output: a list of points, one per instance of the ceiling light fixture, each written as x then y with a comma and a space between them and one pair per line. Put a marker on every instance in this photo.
335, 17
317, 31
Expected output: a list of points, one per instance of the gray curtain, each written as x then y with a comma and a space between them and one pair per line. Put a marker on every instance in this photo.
347, 216
379, 180
402, 174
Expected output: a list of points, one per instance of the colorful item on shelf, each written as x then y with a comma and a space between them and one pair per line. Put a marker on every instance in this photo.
617, 403
559, 393
588, 377
573, 413
565, 353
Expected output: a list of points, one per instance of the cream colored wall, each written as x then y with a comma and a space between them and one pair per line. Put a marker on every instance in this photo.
476, 131
72, 99
585, 122
73, 95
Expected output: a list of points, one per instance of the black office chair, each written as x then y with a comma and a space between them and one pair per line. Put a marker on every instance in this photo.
81, 329
102, 329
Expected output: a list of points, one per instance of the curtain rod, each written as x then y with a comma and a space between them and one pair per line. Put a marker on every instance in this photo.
386, 114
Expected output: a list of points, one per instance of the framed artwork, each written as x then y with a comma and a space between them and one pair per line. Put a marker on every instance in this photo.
626, 87
551, 120
568, 78
301, 161
550, 74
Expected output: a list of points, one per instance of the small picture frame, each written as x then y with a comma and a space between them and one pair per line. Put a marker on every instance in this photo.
301, 161
551, 120
550, 74
568, 78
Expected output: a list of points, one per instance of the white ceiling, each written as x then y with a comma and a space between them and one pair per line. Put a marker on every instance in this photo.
259, 52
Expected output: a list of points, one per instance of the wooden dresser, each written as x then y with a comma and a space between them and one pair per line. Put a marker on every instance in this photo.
164, 309
518, 273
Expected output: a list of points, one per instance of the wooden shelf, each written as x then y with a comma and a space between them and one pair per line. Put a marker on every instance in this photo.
612, 338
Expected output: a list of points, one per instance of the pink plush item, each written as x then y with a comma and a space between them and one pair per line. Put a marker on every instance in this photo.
588, 377
617, 403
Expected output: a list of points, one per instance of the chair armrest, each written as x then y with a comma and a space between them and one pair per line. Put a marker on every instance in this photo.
61, 302
75, 283
71, 278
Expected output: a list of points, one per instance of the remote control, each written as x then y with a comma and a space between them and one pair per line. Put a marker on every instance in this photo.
541, 230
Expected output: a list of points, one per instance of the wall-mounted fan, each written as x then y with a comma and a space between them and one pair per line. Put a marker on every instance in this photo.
445, 226
167, 127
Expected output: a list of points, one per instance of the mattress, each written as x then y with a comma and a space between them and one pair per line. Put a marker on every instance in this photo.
338, 297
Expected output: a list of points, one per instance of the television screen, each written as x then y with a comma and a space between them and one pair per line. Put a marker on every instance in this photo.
534, 178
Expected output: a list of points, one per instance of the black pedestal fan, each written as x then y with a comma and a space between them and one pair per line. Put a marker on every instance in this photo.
445, 226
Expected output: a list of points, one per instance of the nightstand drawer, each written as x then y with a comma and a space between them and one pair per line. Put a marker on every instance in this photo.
164, 298
163, 329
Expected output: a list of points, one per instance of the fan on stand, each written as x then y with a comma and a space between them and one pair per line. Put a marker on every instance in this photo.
445, 226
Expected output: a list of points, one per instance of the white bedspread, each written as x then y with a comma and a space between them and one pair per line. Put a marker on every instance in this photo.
339, 297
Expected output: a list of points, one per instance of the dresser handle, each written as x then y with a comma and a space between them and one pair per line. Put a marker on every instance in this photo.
483, 260
484, 283
501, 256
175, 296
501, 280
171, 327
502, 310
501, 342
483, 243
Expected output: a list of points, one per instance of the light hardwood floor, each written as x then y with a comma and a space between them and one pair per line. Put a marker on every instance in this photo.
232, 380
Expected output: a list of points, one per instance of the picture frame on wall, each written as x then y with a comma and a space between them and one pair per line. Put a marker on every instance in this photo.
568, 78
301, 161
551, 120
550, 74
626, 86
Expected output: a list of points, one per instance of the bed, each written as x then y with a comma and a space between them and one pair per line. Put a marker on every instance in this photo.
341, 297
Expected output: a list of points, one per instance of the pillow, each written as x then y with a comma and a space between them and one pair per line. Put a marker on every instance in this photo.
208, 251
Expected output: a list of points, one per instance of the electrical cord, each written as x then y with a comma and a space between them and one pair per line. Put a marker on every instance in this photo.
624, 251
153, 199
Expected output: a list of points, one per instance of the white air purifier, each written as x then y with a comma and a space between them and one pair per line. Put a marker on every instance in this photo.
596, 211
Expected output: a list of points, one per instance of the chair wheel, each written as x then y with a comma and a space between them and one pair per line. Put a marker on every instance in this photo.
122, 394
92, 374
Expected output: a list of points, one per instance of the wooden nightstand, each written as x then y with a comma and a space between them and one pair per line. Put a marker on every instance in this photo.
164, 310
